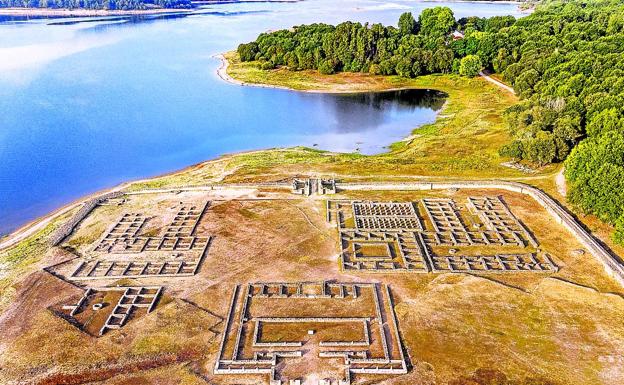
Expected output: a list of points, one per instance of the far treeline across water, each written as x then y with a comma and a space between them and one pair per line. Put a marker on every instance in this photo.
565, 61
96, 4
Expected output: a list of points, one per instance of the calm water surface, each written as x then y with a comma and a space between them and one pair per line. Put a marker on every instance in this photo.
88, 103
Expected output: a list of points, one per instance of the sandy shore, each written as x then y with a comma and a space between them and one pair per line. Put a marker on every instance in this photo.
86, 12
222, 73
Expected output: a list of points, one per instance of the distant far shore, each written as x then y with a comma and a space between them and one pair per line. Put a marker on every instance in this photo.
86, 12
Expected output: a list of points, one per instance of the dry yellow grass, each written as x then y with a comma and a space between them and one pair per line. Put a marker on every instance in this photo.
563, 328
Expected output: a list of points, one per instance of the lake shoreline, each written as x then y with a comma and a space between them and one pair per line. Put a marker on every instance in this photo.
14, 237
45, 12
80, 12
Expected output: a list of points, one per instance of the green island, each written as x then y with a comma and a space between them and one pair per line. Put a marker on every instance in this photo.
556, 321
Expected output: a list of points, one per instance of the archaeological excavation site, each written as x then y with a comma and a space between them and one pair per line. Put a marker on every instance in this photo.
314, 281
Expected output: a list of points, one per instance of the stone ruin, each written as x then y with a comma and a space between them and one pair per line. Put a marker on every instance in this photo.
396, 251
124, 236
351, 321
394, 237
386, 216
128, 301
313, 186
124, 253
68, 227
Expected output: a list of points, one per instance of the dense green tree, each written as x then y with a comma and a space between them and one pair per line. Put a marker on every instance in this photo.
470, 66
407, 24
496, 23
248, 51
610, 119
327, 67
595, 172
437, 21
404, 67
356, 47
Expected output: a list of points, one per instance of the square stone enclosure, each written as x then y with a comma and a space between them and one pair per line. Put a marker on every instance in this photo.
317, 323
435, 235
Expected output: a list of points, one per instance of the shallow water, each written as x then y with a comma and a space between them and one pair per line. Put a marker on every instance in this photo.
88, 103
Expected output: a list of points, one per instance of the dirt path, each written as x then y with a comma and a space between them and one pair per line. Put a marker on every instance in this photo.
560, 181
496, 82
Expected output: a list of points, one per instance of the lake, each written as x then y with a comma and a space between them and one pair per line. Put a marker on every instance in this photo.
86, 104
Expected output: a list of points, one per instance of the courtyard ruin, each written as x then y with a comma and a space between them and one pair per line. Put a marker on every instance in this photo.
318, 322
435, 235
109, 308
125, 252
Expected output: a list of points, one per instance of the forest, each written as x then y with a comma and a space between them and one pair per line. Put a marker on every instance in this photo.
96, 4
565, 62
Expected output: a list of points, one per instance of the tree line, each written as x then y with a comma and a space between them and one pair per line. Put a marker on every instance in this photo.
96, 4
565, 62
414, 48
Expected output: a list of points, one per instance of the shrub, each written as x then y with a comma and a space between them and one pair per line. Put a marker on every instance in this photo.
512, 150
374, 69
470, 66
267, 65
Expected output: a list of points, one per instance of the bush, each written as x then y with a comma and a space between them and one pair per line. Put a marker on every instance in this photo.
387, 67
267, 65
470, 66
455, 66
374, 69
513, 150
541, 149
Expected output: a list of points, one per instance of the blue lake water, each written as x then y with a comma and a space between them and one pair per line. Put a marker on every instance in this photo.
88, 103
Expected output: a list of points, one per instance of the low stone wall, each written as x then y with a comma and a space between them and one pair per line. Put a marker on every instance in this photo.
611, 263
68, 227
